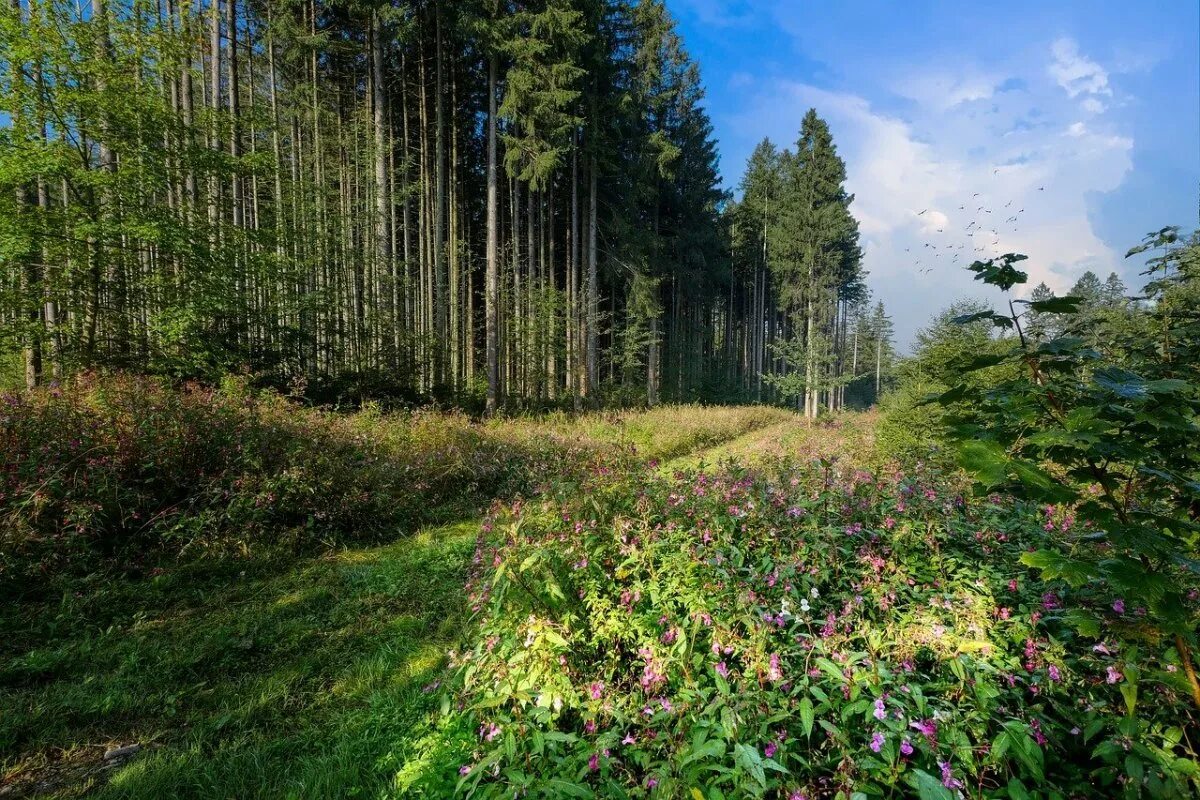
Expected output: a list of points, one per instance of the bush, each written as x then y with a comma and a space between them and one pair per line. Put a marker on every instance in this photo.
801, 632
124, 470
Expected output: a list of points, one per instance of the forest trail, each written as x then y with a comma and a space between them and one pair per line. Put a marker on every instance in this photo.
751, 446
796, 437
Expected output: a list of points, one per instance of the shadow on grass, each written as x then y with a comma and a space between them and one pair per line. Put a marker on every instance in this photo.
305, 683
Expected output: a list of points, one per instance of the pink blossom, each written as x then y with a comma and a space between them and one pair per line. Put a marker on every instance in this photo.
880, 710
948, 779
775, 673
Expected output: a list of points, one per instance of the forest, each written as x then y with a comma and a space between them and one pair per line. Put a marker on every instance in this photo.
485, 204
397, 402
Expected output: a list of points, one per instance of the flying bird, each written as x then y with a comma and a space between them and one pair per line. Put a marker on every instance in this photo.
975, 195
919, 213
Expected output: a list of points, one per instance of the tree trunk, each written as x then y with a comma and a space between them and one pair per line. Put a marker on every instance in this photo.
591, 370
492, 278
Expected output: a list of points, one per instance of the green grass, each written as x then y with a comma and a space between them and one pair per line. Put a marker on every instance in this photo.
305, 684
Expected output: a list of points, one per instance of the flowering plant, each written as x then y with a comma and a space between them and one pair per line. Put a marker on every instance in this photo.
799, 631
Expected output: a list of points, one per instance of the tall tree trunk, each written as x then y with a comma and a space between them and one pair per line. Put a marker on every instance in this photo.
30, 273
591, 371
383, 218
492, 280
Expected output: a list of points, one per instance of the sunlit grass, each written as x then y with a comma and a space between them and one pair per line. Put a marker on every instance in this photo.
302, 684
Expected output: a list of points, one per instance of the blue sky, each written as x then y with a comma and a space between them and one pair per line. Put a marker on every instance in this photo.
1084, 114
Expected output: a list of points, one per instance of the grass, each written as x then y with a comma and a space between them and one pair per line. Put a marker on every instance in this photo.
269, 677
302, 684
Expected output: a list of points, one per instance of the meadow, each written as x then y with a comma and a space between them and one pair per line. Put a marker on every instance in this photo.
257, 599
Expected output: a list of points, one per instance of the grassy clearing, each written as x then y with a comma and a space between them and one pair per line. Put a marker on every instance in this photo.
301, 684
661, 433
849, 436
256, 670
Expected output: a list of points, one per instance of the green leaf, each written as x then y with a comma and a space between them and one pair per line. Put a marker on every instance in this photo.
1055, 566
930, 788
1120, 382
568, 788
748, 759
1017, 790
967, 319
985, 460
1167, 386
1057, 305
807, 715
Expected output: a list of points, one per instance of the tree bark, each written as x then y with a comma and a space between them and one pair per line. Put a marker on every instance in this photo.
492, 278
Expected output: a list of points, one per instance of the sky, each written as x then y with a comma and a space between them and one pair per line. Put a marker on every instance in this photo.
1081, 119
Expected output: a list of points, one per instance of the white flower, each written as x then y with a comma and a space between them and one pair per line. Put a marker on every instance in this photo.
804, 605
815, 594
785, 609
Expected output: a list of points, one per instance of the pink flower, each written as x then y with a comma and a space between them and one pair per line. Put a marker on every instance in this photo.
594, 762
722, 670
889, 523
877, 741
948, 779
906, 748
880, 710
1113, 674
596, 690
770, 749
775, 673
927, 727
1119, 606
1055, 675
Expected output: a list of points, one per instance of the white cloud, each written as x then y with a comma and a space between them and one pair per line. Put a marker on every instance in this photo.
972, 170
1076, 73
1092, 106
944, 92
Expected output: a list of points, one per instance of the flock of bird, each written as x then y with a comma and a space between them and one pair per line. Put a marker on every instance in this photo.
979, 229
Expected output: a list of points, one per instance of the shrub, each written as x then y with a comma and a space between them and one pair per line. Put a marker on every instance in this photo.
801, 632
124, 469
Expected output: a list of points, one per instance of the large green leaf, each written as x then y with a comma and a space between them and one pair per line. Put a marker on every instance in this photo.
985, 460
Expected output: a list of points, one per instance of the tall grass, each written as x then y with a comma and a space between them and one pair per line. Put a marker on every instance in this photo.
126, 470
